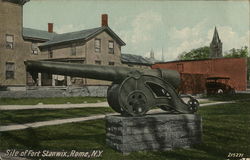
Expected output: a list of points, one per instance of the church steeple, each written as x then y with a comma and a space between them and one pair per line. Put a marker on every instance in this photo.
216, 45
216, 38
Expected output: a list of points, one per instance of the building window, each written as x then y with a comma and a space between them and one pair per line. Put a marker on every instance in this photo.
98, 62
10, 70
50, 53
111, 47
34, 48
9, 41
112, 63
97, 45
73, 50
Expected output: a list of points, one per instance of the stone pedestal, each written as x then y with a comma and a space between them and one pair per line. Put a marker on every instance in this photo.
153, 132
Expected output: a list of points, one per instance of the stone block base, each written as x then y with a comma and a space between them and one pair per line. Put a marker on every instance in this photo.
153, 132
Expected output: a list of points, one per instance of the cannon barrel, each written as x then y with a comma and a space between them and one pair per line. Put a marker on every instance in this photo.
109, 73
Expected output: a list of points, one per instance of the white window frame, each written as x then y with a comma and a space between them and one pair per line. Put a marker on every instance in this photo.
34, 48
111, 47
98, 45
10, 70
9, 38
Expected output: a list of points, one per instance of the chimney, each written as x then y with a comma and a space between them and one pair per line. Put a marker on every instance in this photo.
50, 27
104, 20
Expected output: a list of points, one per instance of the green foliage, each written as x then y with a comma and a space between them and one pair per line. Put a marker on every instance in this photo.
199, 53
204, 52
237, 53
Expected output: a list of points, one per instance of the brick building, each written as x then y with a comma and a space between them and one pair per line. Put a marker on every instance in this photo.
195, 74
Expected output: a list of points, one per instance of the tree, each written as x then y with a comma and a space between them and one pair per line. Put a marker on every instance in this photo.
204, 52
236, 53
199, 53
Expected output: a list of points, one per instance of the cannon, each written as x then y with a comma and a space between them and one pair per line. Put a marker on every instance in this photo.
133, 91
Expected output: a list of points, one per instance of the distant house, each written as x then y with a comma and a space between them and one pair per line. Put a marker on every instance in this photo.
36, 38
151, 58
100, 46
136, 61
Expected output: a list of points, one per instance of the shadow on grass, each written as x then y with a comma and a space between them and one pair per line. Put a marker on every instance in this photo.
229, 97
30, 139
35, 115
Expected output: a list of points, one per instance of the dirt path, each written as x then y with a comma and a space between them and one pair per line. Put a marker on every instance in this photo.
53, 106
64, 106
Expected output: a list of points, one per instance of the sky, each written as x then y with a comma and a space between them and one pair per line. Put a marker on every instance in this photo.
166, 27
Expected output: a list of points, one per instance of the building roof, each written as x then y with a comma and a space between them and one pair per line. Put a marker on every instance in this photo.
196, 60
152, 60
85, 35
34, 34
134, 59
21, 2
177, 61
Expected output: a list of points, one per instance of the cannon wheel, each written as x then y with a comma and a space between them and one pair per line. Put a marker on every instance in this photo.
139, 94
112, 97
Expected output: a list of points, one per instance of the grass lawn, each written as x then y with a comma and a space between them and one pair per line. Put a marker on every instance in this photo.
75, 100
35, 115
225, 129
57, 100
229, 97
